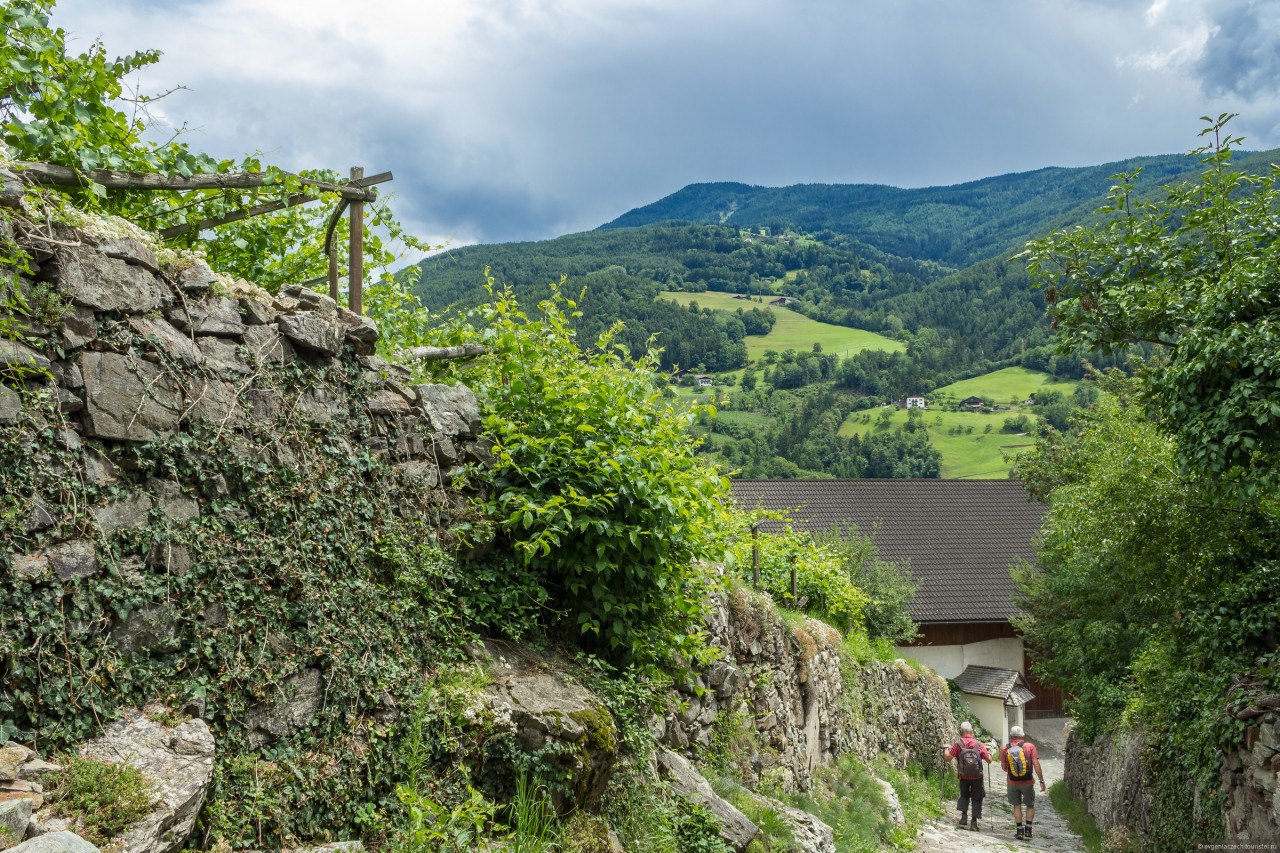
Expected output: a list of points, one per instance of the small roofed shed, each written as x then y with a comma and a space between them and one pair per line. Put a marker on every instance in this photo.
959, 537
997, 696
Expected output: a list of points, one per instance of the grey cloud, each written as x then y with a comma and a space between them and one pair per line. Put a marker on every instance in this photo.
1242, 56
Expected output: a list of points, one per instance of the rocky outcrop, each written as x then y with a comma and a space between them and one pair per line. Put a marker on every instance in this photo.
735, 828
176, 763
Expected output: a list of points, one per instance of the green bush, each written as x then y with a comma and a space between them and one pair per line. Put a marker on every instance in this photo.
597, 485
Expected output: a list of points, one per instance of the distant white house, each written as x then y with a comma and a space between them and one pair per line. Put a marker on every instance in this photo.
704, 381
915, 401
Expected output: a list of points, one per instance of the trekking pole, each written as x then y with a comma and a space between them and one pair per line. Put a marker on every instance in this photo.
989, 827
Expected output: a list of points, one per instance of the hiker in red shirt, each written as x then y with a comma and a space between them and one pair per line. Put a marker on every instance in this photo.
1019, 758
968, 755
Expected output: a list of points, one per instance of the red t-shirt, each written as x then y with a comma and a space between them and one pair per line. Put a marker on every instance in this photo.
1029, 749
968, 742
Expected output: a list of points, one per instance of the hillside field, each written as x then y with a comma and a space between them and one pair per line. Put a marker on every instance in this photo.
976, 455
792, 330
1002, 387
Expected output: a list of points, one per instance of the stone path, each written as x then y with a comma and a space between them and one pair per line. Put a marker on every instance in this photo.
997, 827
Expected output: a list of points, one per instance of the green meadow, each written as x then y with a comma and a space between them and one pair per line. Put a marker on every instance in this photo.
792, 330
1002, 387
968, 451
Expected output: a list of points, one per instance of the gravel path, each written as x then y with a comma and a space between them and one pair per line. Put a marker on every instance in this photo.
997, 827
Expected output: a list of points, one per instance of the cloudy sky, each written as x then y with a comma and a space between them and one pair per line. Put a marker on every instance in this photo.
526, 119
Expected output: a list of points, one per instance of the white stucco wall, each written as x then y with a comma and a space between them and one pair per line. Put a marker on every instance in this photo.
950, 661
990, 714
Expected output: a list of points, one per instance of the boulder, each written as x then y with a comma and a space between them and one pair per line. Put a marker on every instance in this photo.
196, 279
91, 279
10, 406
127, 398
255, 312
301, 696
125, 513
452, 409
222, 356
312, 332
550, 714
55, 842
79, 327
12, 756
15, 815
164, 337
266, 346
29, 566
130, 251
170, 558
77, 558
214, 401
360, 331
21, 362
735, 829
177, 761
216, 315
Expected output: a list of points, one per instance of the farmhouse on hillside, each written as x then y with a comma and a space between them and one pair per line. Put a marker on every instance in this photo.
959, 537
972, 403
914, 401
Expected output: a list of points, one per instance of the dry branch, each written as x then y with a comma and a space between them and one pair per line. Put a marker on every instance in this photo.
442, 353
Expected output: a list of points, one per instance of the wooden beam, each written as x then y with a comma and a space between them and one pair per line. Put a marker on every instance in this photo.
49, 173
291, 201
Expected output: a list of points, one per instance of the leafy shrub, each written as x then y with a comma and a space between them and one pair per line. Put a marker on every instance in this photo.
596, 484
824, 588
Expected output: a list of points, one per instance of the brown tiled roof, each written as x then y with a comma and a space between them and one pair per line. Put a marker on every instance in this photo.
960, 536
1006, 685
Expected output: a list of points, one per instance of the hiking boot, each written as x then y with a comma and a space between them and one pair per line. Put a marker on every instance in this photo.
963, 824
1027, 833
1019, 834
973, 825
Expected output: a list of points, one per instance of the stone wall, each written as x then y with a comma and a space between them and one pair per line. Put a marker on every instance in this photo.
130, 369
787, 681
1108, 776
1251, 784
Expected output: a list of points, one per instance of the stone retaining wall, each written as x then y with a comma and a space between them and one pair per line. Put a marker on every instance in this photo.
1108, 775
787, 681
1252, 786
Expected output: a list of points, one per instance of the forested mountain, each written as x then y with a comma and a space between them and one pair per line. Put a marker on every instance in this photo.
954, 225
933, 268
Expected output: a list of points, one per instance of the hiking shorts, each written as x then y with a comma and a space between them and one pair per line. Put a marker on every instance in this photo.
1024, 795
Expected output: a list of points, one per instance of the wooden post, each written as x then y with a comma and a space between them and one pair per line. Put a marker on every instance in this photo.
333, 273
794, 591
755, 555
355, 281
